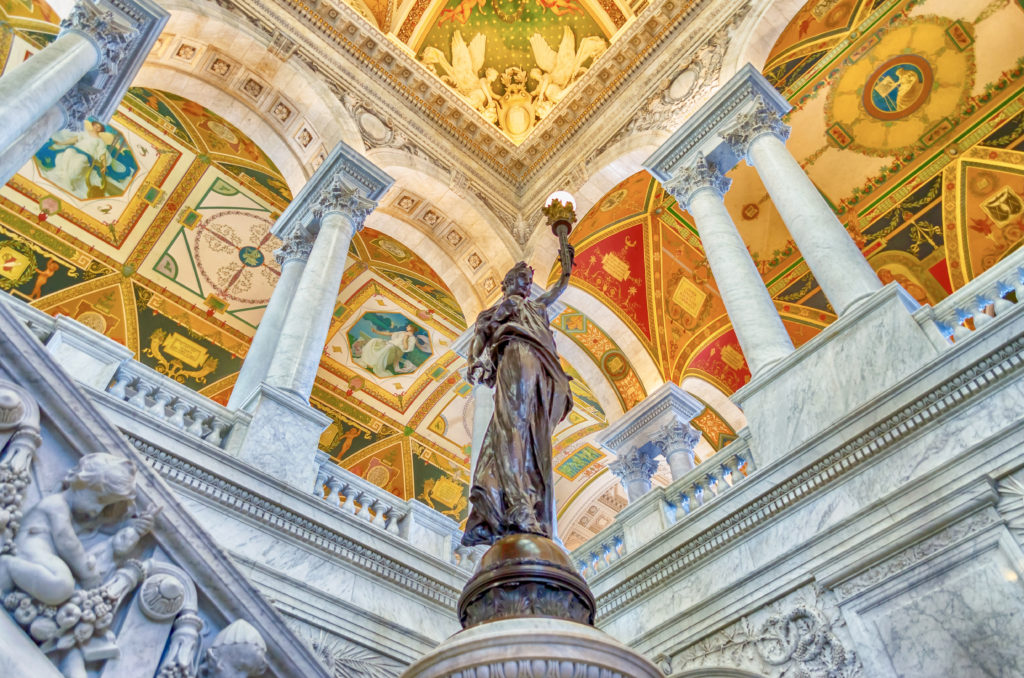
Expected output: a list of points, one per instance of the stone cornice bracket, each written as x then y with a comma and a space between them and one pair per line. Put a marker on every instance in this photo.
346, 183
665, 406
296, 246
702, 175
123, 32
749, 126
701, 134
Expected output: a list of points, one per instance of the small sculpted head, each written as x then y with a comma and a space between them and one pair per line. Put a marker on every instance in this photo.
518, 281
101, 484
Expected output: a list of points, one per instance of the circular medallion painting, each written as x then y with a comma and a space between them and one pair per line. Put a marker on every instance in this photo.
898, 87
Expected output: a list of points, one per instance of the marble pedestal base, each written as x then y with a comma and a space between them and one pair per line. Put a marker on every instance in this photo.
532, 646
871, 347
279, 434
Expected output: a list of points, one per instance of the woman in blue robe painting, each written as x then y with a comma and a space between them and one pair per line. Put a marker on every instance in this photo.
93, 163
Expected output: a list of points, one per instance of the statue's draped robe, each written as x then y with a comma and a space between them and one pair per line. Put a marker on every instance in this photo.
512, 489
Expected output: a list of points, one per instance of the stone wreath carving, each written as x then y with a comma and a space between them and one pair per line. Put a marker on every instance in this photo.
798, 642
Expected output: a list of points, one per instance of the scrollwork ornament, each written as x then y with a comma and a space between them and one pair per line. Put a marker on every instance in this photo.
634, 466
296, 246
77, 104
113, 40
750, 126
702, 175
339, 197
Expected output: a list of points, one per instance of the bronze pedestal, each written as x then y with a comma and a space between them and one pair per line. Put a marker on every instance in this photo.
526, 575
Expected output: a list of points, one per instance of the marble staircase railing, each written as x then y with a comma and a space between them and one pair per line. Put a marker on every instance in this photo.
356, 496
709, 480
163, 398
600, 552
665, 507
979, 302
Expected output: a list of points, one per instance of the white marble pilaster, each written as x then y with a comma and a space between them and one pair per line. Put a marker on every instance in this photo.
292, 259
844, 274
699, 189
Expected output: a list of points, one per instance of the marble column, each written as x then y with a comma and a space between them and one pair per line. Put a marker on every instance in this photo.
57, 86
835, 260
292, 259
635, 469
300, 345
699, 189
676, 442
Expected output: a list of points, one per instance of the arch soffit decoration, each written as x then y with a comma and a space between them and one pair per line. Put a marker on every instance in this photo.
312, 106
756, 36
598, 382
641, 361
475, 224
619, 162
430, 252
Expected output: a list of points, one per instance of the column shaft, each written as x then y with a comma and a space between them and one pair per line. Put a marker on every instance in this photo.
30, 89
21, 150
264, 343
833, 257
750, 308
304, 332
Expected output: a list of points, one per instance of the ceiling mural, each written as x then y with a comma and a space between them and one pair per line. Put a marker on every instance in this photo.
931, 190
511, 60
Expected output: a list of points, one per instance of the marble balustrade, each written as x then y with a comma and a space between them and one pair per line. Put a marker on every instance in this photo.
988, 297
600, 551
164, 399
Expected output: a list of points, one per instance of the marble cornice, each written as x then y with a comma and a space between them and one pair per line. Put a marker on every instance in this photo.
968, 385
349, 45
331, 542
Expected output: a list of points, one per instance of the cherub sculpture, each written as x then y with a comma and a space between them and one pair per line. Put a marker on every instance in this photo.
64, 594
560, 69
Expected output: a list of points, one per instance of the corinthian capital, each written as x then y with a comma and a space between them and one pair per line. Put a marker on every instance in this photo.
296, 246
113, 39
339, 197
635, 465
749, 126
677, 437
702, 175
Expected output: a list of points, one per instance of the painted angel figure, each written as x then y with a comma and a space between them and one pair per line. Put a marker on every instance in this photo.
560, 69
463, 73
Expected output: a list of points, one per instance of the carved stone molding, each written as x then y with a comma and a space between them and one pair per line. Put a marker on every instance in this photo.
296, 246
634, 466
1011, 504
344, 659
912, 555
790, 638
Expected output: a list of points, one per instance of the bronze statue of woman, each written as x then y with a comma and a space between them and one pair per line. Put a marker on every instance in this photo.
514, 351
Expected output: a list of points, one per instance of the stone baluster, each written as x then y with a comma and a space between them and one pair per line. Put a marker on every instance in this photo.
833, 257
161, 401
365, 503
199, 416
291, 257
699, 189
181, 408
341, 211
350, 500
726, 472
142, 389
635, 470
318, 484
119, 389
217, 429
685, 500
380, 512
334, 489
676, 442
